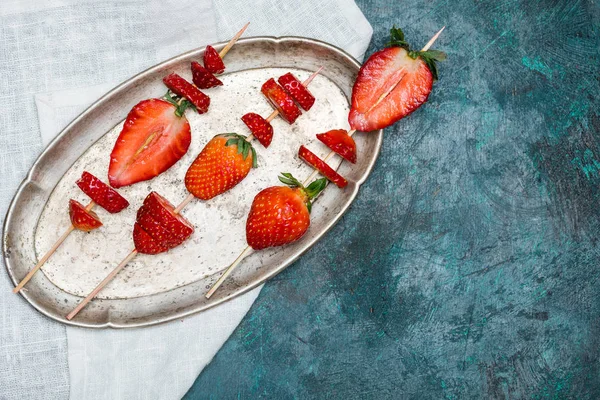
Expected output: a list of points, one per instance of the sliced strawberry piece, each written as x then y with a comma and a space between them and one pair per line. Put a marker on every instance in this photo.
281, 101
213, 61
389, 86
164, 213
144, 243
260, 128
102, 194
297, 90
152, 140
158, 232
339, 141
323, 168
181, 87
203, 78
81, 218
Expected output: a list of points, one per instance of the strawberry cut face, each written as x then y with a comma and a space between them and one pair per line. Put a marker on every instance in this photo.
389, 86
152, 140
81, 218
328, 172
281, 101
339, 141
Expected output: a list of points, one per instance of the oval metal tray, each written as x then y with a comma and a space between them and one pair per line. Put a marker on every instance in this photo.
44, 178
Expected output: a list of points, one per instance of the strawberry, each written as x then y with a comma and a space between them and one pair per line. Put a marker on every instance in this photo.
223, 163
260, 128
339, 141
163, 212
281, 101
102, 194
203, 78
322, 166
281, 214
152, 140
81, 218
392, 83
297, 90
213, 61
157, 227
144, 243
181, 87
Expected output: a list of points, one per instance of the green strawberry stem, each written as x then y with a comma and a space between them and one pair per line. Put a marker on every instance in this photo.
430, 57
311, 191
181, 103
244, 147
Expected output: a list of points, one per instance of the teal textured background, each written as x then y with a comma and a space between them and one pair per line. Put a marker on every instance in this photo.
468, 267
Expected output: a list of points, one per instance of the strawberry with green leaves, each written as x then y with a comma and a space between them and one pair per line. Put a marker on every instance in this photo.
281, 214
392, 83
223, 163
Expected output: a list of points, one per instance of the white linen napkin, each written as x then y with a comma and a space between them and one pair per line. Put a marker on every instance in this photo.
162, 362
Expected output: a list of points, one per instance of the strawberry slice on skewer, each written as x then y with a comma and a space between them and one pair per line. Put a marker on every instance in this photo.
164, 213
146, 244
152, 140
181, 87
81, 218
281, 101
102, 194
213, 61
260, 128
340, 142
391, 84
281, 214
223, 163
322, 166
297, 90
203, 78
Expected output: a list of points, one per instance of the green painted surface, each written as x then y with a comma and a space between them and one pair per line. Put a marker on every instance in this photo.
468, 267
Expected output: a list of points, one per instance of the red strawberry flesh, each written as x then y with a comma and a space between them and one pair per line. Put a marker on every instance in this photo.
281, 101
213, 61
144, 243
389, 86
102, 194
181, 87
152, 140
339, 141
297, 90
203, 78
260, 128
81, 218
164, 213
323, 168
278, 216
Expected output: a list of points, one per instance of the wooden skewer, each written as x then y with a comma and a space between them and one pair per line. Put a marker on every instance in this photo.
246, 251
275, 113
46, 256
98, 288
234, 39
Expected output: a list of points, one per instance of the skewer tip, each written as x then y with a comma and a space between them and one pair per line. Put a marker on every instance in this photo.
433, 39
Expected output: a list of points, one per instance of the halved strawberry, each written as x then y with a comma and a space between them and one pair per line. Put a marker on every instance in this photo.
181, 87
102, 194
213, 61
260, 128
163, 212
81, 218
152, 140
203, 78
223, 163
281, 101
297, 90
392, 83
144, 243
322, 166
281, 214
339, 141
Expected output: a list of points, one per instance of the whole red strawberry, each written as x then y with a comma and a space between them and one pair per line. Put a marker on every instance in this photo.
223, 163
281, 214
391, 84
